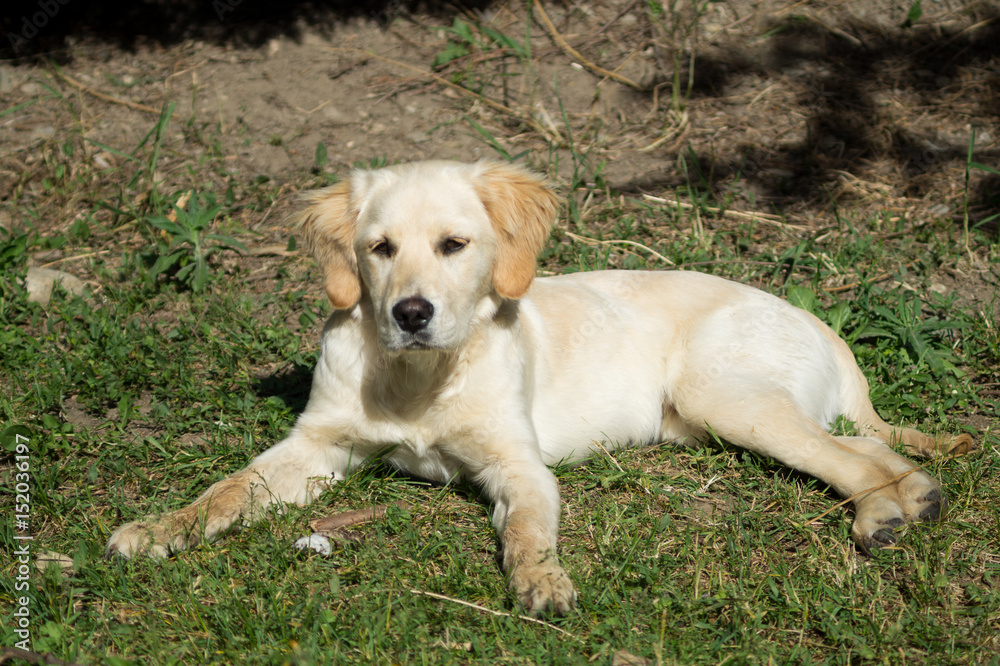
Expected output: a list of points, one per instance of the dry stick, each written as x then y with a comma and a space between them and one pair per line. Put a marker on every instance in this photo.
166, 81
75, 258
277, 197
677, 133
576, 55
442, 597
348, 518
594, 241
107, 98
755, 217
856, 495
852, 285
497, 106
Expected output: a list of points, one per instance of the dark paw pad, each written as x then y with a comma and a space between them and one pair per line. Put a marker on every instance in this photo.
931, 513
884, 538
932, 496
938, 505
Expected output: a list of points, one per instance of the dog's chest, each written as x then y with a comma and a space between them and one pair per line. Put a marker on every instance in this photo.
424, 459
418, 439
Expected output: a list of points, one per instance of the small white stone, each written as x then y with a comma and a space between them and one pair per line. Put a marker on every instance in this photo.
315, 542
40, 281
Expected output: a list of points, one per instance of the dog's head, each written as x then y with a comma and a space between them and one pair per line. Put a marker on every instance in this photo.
431, 245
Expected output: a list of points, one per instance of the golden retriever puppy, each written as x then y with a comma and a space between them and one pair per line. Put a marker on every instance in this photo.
444, 350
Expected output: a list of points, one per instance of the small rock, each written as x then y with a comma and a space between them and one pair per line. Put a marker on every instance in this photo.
626, 658
43, 132
335, 114
315, 542
7, 80
939, 288
47, 559
40, 282
45, 256
193, 440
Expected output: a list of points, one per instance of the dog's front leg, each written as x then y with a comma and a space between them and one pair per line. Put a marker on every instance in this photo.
526, 516
296, 470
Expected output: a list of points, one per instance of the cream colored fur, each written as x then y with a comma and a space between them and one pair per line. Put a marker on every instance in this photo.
444, 351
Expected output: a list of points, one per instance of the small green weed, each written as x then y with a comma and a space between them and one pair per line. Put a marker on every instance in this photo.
186, 243
464, 41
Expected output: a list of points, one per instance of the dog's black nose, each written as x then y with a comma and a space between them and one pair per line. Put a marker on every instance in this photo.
412, 314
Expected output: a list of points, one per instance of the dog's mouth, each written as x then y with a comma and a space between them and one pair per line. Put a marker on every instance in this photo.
401, 341
416, 345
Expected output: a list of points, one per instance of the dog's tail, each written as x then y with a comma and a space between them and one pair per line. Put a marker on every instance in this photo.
857, 407
916, 443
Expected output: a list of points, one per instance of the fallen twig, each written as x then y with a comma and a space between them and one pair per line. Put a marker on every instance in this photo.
347, 518
857, 495
576, 55
754, 217
594, 241
526, 618
852, 285
107, 98
75, 258
676, 133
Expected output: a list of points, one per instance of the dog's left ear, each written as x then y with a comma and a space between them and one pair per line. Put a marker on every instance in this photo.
329, 223
522, 209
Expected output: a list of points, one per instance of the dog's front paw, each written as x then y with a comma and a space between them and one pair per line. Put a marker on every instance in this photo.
543, 587
142, 538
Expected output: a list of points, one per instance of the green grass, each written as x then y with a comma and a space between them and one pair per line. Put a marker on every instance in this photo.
138, 396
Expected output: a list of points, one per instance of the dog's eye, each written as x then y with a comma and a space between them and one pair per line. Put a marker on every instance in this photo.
382, 248
453, 245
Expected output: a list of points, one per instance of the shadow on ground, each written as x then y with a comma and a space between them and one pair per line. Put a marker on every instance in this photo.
40, 28
848, 129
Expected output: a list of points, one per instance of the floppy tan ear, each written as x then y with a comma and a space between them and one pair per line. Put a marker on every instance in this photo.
329, 223
522, 209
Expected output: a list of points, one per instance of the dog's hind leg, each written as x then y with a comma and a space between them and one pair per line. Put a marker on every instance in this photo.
888, 489
296, 470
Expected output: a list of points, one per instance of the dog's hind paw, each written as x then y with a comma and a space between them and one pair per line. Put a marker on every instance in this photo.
139, 538
883, 513
543, 588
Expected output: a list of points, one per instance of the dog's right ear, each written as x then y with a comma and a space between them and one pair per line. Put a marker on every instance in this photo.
329, 223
